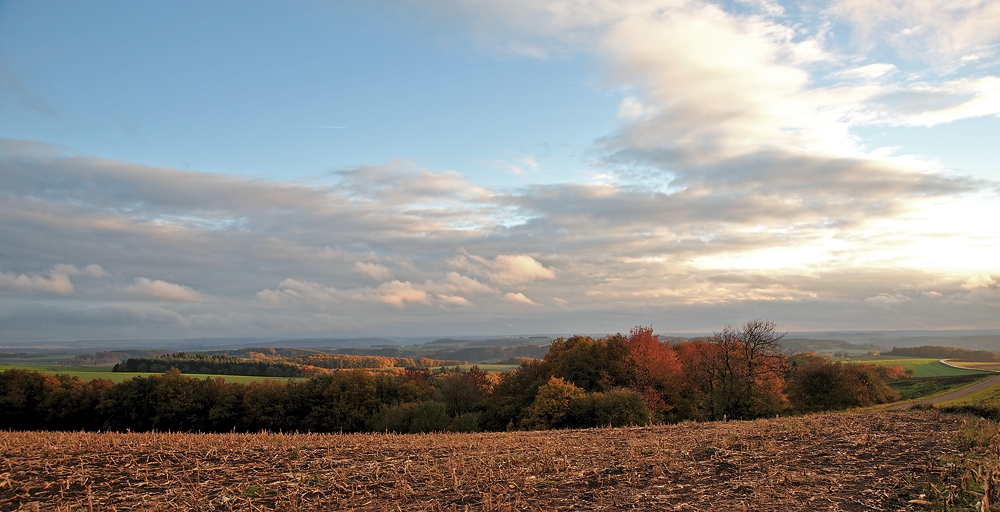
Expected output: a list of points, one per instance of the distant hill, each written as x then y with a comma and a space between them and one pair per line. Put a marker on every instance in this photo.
976, 342
114, 356
938, 352
541, 341
818, 346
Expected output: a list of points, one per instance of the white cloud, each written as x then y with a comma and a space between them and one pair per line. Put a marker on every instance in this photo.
950, 101
55, 280
983, 280
373, 270
453, 300
869, 72
510, 269
395, 293
519, 298
631, 108
454, 282
52, 283
158, 289
926, 29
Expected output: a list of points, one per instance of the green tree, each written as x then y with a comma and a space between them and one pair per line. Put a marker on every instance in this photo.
429, 417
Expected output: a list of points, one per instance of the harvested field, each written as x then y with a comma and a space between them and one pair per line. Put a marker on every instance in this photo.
856, 461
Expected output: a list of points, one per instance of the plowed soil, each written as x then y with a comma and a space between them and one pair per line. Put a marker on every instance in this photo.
873, 461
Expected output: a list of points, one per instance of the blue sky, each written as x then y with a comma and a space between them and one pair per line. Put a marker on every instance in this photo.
290, 90
450, 167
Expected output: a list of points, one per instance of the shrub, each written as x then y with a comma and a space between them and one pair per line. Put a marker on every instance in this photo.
429, 417
468, 422
620, 408
396, 418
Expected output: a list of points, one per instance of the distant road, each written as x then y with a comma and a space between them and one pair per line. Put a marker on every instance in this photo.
959, 393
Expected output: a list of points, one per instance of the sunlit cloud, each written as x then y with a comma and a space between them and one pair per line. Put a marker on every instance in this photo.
373, 270
158, 289
518, 298
55, 280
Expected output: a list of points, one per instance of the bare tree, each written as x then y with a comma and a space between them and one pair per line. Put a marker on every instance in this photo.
750, 364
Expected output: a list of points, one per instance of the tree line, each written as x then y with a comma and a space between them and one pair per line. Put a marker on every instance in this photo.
617, 380
261, 364
963, 354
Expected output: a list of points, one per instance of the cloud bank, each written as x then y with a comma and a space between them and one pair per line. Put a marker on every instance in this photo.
733, 188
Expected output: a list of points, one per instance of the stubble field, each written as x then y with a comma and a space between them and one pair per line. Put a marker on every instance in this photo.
855, 461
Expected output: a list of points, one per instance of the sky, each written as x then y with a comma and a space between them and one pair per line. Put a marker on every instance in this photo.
307, 168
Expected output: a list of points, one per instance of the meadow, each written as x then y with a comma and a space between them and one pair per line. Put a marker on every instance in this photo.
922, 367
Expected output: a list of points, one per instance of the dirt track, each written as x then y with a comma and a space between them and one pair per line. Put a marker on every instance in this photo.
871, 461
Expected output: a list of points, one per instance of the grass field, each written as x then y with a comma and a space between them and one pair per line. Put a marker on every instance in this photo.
989, 397
104, 372
922, 367
847, 461
910, 389
21, 358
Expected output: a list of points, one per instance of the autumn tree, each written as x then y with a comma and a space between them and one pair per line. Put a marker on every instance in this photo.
462, 392
739, 373
552, 404
827, 385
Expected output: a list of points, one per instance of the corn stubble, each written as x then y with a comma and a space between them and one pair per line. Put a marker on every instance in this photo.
829, 462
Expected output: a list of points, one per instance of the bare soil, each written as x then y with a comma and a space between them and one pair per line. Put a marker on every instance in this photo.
851, 461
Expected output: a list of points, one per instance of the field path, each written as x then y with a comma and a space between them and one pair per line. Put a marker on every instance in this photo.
953, 395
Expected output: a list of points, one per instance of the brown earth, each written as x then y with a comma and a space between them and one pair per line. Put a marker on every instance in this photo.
852, 461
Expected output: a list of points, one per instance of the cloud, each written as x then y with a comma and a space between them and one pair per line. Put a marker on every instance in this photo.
454, 282
887, 301
158, 289
518, 268
395, 293
52, 283
504, 269
373, 270
453, 300
293, 290
925, 29
631, 108
55, 280
742, 231
735, 185
519, 298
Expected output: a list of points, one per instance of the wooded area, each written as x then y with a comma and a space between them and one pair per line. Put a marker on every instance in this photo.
631, 379
963, 354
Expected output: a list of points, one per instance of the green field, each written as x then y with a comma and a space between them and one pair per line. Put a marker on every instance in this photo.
104, 372
22, 359
989, 397
922, 367
910, 389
